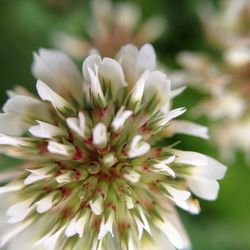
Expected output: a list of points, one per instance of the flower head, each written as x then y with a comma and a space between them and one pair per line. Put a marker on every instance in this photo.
224, 79
97, 176
111, 27
227, 26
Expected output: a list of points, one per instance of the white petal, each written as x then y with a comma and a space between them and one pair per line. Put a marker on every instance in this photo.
19, 211
97, 205
168, 160
81, 222
173, 229
138, 90
177, 91
178, 195
42, 171
170, 115
120, 118
95, 84
14, 232
45, 130
61, 149
89, 63
12, 124
189, 128
58, 71
157, 85
33, 178
64, 177
141, 223
45, 203
12, 187
71, 229
138, 147
162, 165
100, 136
78, 125
140, 227
25, 105
112, 73
131, 175
127, 58
12, 141
144, 219
49, 241
204, 188
47, 94
159, 242
172, 234
107, 226
77, 225
18, 111
146, 59
213, 170
191, 206
190, 158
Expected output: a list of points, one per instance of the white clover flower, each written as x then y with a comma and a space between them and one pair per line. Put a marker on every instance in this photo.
228, 25
112, 26
237, 136
227, 104
224, 80
95, 176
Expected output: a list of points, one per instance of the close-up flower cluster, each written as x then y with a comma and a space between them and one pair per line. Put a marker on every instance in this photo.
225, 79
97, 176
109, 28
128, 128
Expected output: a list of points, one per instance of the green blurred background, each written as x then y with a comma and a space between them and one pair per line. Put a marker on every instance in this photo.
27, 25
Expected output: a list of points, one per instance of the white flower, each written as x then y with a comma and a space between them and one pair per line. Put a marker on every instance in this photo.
107, 226
47, 94
78, 125
138, 147
50, 240
228, 25
100, 137
77, 225
238, 56
112, 26
185, 127
97, 205
96, 171
19, 211
120, 118
45, 203
38, 174
19, 114
46, 130
162, 166
224, 79
237, 137
204, 173
135, 62
58, 71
